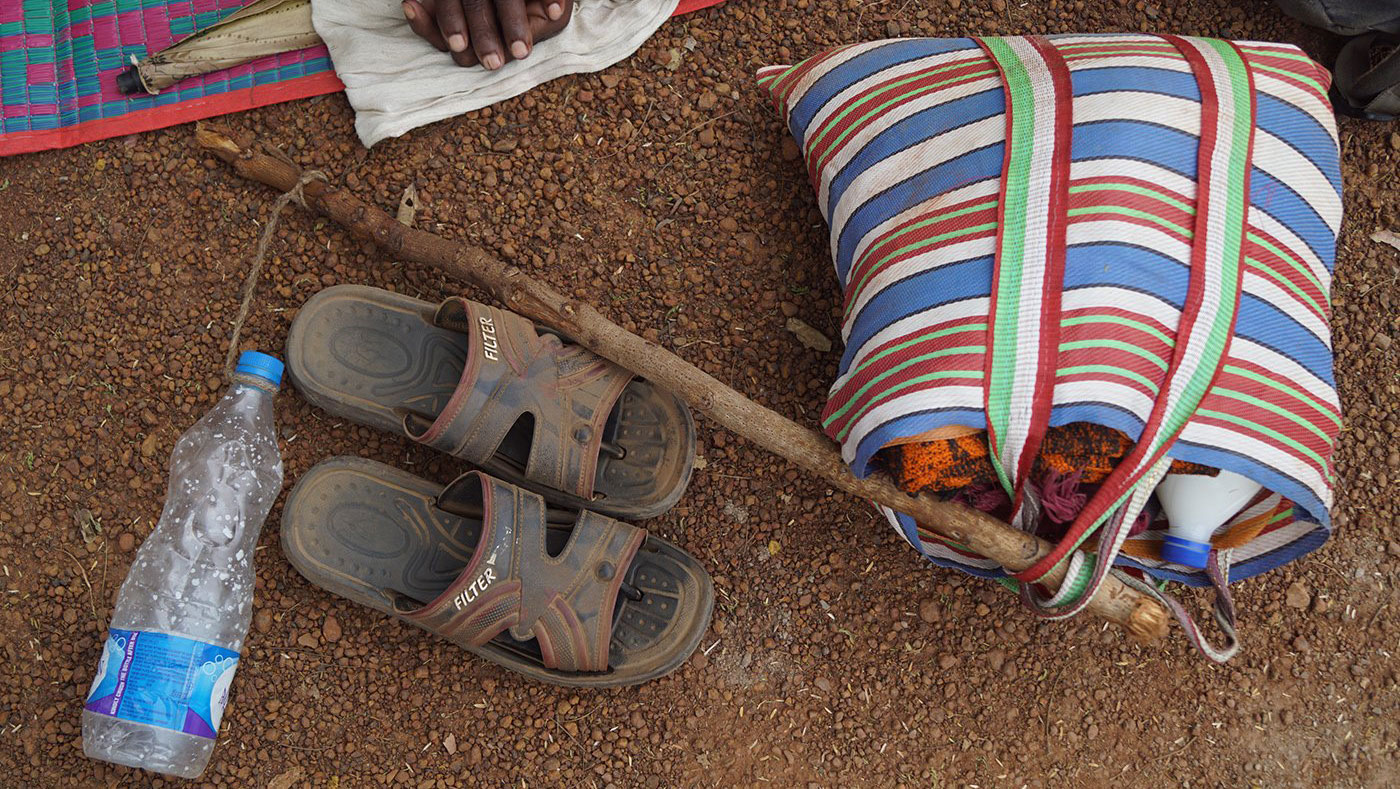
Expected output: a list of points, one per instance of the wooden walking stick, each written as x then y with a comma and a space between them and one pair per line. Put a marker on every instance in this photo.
1116, 602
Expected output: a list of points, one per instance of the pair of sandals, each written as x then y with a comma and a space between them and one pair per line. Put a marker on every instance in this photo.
521, 562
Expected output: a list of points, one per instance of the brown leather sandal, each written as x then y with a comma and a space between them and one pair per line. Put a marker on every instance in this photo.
492, 388
567, 597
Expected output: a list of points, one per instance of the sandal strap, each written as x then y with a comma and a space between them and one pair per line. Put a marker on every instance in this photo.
565, 602
511, 370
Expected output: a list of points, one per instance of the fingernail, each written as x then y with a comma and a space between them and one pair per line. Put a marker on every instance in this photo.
409, 12
519, 50
491, 61
457, 42
554, 10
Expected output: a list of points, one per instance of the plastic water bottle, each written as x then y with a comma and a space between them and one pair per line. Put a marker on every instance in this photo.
184, 607
1196, 506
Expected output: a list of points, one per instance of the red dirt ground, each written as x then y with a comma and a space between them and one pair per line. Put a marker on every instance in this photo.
663, 190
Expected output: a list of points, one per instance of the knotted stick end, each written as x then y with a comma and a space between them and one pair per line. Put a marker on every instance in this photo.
1148, 622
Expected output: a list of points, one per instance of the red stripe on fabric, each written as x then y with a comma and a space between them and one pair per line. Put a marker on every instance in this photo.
1266, 419
1062, 100
1298, 72
1287, 271
821, 151
865, 275
161, 117
1216, 400
994, 440
1141, 458
856, 407
1104, 309
1277, 377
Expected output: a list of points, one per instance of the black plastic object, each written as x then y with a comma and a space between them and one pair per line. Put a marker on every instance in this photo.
129, 82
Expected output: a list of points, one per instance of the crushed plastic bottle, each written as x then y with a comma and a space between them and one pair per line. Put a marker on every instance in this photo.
185, 605
1196, 506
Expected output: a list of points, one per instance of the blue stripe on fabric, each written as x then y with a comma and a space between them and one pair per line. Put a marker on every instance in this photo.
861, 67
969, 168
911, 424
1301, 132
952, 282
1271, 327
1279, 201
1145, 79
1163, 146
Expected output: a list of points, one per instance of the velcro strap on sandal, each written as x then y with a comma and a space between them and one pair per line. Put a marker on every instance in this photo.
513, 370
565, 602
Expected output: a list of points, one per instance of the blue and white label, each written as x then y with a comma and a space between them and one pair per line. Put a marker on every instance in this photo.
163, 680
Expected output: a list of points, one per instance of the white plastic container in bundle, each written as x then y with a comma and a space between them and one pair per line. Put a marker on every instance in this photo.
1196, 506
183, 610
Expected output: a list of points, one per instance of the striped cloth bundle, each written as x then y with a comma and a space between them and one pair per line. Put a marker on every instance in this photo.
1135, 231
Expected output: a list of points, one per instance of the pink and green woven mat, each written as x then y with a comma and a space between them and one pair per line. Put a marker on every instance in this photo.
59, 61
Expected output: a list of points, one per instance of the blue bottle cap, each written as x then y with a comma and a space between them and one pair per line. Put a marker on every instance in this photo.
268, 368
1189, 553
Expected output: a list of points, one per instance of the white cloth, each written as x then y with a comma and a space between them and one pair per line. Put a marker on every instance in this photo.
396, 81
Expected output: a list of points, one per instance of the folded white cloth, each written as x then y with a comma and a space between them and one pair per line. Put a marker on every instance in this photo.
396, 81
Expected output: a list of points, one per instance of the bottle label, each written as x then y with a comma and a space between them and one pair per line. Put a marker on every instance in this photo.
163, 680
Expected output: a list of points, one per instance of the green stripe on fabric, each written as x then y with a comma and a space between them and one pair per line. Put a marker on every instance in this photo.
1292, 261
1285, 388
1105, 369
835, 120
907, 363
1121, 321
1137, 190
1273, 409
1284, 281
1015, 191
1079, 345
870, 271
1241, 110
1290, 74
1133, 212
905, 385
1268, 431
1298, 56
926, 336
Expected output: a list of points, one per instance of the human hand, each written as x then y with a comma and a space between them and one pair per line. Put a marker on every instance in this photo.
489, 32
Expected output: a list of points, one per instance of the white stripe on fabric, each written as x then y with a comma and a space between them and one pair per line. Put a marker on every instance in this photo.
1245, 350
1034, 263
1290, 242
948, 145
1127, 61
1179, 185
1271, 292
986, 188
918, 323
931, 260
1060, 39
1104, 390
1284, 90
1184, 115
1283, 162
894, 72
799, 88
1109, 231
1102, 297
1242, 441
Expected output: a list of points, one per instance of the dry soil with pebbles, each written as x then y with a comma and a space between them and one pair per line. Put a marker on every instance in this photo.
664, 191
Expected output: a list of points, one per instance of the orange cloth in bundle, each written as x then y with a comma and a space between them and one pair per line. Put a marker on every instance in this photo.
948, 464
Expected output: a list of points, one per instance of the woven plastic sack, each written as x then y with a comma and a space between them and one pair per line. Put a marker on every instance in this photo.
1131, 230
